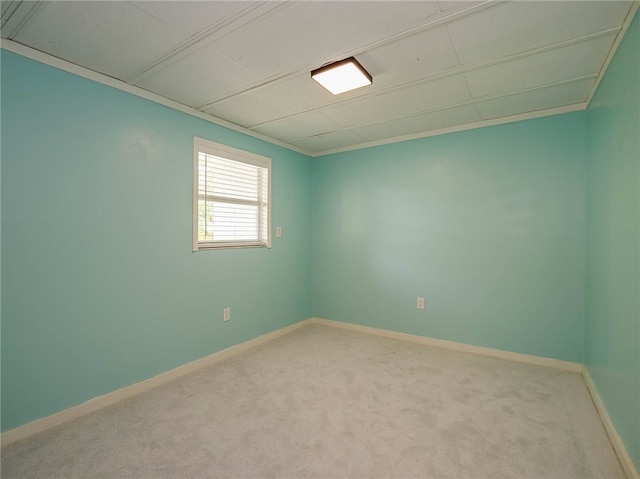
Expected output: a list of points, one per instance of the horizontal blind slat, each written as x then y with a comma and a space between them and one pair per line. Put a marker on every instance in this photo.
232, 200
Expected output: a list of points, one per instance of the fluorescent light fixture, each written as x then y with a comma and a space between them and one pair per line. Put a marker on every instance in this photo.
342, 76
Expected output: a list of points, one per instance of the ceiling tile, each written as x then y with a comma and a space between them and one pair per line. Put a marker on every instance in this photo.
198, 78
514, 27
411, 58
256, 107
541, 99
338, 139
99, 35
307, 124
560, 64
420, 123
403, 102
191, 17
305, 35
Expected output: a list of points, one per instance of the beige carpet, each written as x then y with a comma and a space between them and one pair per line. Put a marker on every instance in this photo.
325, 402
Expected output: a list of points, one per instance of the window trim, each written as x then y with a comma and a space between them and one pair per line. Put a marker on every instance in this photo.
230, 153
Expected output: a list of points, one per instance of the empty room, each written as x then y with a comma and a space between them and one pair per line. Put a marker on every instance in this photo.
289, 239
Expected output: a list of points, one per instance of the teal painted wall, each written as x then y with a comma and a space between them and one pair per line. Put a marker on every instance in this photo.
487, 225
101, 288
612, 319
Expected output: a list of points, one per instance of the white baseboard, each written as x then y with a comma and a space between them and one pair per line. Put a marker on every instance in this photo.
466, 348
616, 441
48, 422
40, 425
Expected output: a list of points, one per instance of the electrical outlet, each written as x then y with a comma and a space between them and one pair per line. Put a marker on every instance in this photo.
226, 313
420, 303
278, 231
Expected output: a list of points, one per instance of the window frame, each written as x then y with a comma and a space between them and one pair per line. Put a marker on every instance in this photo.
233, 154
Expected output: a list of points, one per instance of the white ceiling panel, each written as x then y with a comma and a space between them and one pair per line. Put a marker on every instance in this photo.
306, 35
514, 27
435, 64
560, 64
99, 35
307, 124
199, 16
427, 121
399, 103
256, 106
198, 78
339, 139
422, 55
550, 97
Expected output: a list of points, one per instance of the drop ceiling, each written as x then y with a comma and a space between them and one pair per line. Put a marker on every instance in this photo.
436, 66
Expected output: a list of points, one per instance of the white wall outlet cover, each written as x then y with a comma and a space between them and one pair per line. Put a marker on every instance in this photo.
420, 303
278, 231
226, 314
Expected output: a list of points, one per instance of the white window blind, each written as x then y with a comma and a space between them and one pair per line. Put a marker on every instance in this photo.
231, 197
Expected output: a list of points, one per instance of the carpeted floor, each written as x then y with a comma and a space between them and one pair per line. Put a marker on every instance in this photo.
325, 402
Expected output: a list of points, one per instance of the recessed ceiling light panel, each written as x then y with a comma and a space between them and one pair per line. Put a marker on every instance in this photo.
342, 76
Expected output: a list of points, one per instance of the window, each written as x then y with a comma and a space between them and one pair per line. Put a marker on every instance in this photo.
232, 197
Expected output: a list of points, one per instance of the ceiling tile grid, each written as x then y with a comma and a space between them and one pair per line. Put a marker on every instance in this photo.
401, 102
98, 35
435, 65
198, 17
514, 27
560, 64
435, 120
194, 79
257, 106
309, 124
422, 55
538, 99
